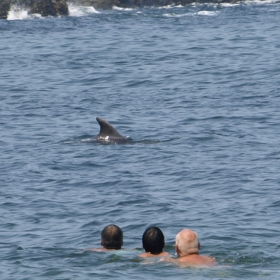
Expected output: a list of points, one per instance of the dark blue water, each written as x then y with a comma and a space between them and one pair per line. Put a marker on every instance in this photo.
197, 89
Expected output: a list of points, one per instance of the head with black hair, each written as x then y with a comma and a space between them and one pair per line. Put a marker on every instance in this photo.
112, 237
153, 240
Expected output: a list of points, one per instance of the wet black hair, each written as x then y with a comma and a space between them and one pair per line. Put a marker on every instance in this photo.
112, 237
153, 240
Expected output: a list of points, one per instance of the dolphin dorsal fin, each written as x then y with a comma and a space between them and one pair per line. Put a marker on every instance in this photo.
106, 129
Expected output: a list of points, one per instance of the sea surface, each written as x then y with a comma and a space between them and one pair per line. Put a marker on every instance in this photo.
196, 89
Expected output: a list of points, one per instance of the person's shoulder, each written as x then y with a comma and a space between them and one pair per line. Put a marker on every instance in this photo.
201, 260
143, 255
164, 254
100, 249
209, 260
196, 260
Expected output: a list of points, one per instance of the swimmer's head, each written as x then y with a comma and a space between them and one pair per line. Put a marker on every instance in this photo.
112, 237
153, 240
187, 243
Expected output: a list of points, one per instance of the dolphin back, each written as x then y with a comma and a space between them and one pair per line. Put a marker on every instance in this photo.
108, 130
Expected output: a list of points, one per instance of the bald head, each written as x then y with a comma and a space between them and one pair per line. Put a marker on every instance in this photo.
186, 243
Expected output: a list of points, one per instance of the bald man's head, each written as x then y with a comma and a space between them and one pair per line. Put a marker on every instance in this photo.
186, 243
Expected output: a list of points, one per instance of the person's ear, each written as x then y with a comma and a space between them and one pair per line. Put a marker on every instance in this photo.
101, 242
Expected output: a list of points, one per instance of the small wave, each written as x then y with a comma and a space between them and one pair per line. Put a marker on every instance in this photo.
86, 139
261, 2
200, 13
122, 9
19, 13
229, 4
170, 6
77, 140
176, 15
248, 2
207, 13
79, 11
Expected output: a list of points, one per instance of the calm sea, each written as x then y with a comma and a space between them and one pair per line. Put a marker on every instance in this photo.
197, 88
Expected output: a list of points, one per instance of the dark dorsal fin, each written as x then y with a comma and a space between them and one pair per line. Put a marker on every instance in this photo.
106, 129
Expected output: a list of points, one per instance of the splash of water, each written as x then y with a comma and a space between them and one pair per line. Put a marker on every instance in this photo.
17, 13
20, 13
79, 11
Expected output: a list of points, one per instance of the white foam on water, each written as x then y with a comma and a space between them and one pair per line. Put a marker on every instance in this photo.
17, 13
170, 6
207, 13
122, 9
259, 2
229, 5
176, 15
248, 2
79, 11
20, 13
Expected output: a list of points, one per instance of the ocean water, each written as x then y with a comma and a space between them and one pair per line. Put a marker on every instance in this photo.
196, 88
